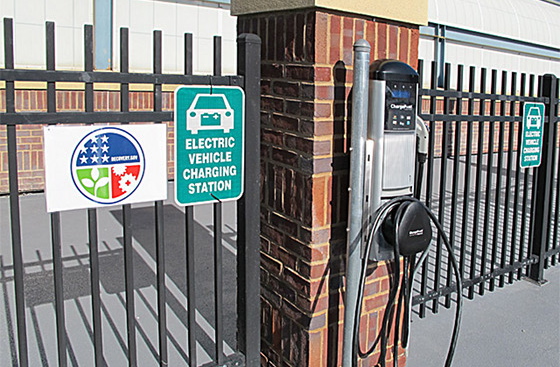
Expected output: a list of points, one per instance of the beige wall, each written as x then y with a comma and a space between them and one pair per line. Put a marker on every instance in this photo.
409, 11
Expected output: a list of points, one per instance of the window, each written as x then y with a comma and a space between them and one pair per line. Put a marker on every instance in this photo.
103, 40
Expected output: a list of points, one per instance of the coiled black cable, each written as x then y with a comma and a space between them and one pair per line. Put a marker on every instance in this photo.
382, 336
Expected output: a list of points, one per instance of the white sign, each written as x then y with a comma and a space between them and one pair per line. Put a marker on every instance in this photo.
93, 166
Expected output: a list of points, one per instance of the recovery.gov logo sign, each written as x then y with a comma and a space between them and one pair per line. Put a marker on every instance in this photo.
107, 165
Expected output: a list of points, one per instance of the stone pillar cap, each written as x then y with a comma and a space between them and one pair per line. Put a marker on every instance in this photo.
408, 11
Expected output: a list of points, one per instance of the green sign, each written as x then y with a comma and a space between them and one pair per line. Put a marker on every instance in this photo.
209, 144
532, 135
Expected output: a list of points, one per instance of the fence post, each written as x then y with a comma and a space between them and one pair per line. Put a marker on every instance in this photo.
248, 207
540, 225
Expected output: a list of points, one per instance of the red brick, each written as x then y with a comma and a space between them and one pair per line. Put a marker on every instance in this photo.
284, 122
324, 92
288, 89
335, 39
347, 40
381, 41
393, 41
272, 70
403, 45
300, 72
319, 202
414, 44
272, 104
360, 29
318, 345
323, 74
323, 110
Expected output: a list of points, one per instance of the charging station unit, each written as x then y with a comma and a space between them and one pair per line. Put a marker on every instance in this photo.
391, 143
386, 222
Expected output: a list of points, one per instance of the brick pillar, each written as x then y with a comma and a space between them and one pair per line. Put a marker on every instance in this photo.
306, 80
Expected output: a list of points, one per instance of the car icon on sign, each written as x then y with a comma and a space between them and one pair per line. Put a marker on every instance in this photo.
209, 112
534, 118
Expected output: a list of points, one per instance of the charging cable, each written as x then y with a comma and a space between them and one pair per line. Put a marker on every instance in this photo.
399, 205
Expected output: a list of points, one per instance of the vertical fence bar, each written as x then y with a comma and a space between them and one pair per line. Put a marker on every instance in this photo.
15, 220
432, 136
517, 243
218, 276
557, 204
55, 217
191, 296
422, 306
487, 201
92, 220
442, 185
218, 284
126, 219
498, 196
248, 213
188, 41
478, 179
510, 154
429, 180
159, 218
544, 175
455, 179
467, 187
553, 136
189, 231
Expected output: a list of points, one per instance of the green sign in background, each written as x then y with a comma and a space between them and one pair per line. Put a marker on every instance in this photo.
532, 135
209, 144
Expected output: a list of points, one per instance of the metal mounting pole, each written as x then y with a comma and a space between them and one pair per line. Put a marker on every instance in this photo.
356, 192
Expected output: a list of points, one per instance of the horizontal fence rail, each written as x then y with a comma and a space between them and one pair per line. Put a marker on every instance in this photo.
486, 202
159, 235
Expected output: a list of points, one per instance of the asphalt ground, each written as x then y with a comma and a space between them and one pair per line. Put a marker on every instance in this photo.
39, 284
514, 326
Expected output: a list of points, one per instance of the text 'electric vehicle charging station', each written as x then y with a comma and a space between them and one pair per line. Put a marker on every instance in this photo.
386, 221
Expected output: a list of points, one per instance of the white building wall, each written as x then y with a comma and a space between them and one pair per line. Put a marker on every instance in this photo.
532, 21
174, 20
29, 30
140, 16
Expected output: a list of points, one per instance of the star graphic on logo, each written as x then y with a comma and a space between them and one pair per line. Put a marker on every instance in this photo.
94, 159
83, 160
104, 148
104, 139
93, 148
104, 158
94, 140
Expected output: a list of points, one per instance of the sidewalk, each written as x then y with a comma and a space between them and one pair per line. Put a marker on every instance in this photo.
515, 326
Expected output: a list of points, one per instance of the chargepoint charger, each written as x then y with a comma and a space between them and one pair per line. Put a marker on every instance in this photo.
394, 224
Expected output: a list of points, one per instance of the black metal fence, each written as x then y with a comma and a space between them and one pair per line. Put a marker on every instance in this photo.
159, 225
502, 220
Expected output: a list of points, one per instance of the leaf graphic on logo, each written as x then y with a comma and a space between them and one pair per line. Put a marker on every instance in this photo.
95, 174
102, 182
87, 182
99, 184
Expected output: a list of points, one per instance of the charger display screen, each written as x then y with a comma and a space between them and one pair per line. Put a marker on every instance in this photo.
400, 99
400, 93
